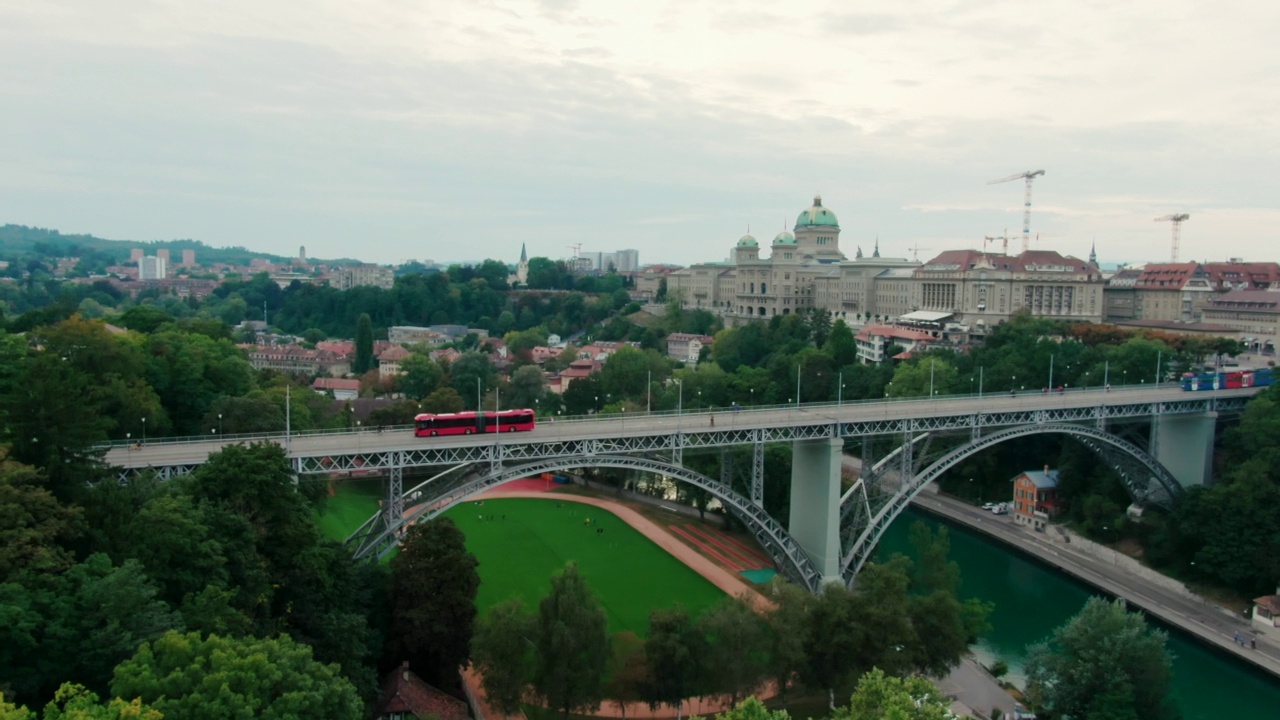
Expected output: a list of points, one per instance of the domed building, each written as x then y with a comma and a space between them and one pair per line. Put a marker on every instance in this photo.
749, 286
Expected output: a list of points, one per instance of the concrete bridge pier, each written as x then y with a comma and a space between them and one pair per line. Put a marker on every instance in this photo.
1184, 445
815, 503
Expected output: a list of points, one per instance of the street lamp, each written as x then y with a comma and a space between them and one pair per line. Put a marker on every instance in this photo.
144, 431
220, 433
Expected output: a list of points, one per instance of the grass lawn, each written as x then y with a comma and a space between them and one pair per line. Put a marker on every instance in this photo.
353, 502
628, 573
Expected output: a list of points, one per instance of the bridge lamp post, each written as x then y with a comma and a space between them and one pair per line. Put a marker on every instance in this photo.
220, 433
144, 431
797, 385
1050, 371
840, 390
648, 397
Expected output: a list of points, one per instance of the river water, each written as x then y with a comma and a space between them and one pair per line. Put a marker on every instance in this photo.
1032, 599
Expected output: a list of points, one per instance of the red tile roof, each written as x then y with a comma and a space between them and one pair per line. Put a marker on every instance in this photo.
1169, 276
405, 692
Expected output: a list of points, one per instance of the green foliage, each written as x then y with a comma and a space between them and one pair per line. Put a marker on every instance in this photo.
915, 379
628, 670
433, 601
674, 649
190, 677
751, 709
1104, 662
572, 645
363, 361
881, 696
734, 654
788, 633
76, 702
420, 376
76, 625
503, 653
443, 400
35, 527
473, 376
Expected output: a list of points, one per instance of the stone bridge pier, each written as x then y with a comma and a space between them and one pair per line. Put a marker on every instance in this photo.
1184, 445
815, 503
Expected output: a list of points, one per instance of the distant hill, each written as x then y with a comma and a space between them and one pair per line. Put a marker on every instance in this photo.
20, 240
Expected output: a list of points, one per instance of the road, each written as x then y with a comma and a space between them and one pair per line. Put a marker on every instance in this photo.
159, 453
1209, 623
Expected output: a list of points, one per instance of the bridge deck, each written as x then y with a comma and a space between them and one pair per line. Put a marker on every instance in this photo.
346, 450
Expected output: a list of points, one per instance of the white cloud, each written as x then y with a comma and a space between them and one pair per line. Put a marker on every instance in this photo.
465, 128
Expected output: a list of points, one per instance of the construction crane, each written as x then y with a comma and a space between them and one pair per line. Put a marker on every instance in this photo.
1004, 241
576, 248
915, 251
1177, 219
1029, 176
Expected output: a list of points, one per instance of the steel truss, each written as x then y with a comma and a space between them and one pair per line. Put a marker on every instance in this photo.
1145, 478
378, 540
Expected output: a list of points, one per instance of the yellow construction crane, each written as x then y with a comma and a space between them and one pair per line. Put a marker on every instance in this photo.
1177, 219
1029, 176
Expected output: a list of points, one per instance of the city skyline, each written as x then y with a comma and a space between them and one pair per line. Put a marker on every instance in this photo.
459, 131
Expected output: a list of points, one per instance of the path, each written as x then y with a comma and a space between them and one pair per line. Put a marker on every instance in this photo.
1112, 573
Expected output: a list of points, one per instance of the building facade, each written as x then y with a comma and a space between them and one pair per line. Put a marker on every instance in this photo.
1253, 315
806, 269
153, 267
380, 276
1035, 497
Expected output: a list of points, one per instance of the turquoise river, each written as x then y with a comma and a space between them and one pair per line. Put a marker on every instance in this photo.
1032, 599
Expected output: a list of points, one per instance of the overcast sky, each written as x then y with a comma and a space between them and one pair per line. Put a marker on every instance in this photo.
391, 130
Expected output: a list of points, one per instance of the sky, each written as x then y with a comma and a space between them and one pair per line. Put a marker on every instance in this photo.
393, 130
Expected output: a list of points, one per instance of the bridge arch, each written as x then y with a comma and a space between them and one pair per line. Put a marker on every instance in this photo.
1143, 476
772, 536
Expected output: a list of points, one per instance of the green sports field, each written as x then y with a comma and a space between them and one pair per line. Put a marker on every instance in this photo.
352, 502
521, 542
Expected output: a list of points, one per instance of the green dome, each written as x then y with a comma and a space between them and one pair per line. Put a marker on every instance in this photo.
817, 215
747, 241
784, 238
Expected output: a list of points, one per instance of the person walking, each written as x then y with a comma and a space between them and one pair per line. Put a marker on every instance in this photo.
713, 421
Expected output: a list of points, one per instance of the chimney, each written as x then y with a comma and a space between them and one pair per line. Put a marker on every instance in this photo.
1046, 469
404, 670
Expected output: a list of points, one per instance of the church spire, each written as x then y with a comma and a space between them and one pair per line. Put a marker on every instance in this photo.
1093, 252
524, 256
877, 250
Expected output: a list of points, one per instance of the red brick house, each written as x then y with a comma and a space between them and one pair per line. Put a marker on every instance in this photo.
1035, 497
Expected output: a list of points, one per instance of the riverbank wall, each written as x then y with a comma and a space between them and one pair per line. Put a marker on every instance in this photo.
1118, 575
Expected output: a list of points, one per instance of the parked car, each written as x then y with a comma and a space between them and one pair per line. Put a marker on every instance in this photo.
1001, 509
989, 506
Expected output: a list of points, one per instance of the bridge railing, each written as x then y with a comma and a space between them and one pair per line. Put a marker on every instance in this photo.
220, 438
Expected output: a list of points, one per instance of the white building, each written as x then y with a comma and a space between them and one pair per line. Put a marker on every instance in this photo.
152, 267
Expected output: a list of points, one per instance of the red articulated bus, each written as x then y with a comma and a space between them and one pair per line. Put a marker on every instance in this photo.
467, 423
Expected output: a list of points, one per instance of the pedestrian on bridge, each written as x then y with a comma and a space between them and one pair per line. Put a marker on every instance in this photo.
713, 421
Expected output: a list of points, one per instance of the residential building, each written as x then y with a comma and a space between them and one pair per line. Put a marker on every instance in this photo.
405, 696
163, 254
1266, 615
1035, 497
188, 258
1253, 315
1172, 291
152, 267
297, 360
389, 361
413, 335
136, 255
873, 340
339, 388
649, 280
577, 370
1120, 296
687, 347
345, 278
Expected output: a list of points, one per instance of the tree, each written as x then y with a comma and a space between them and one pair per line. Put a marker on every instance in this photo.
841, 345
419, 376
736, 648
472, 375
1104, 662
788, 626
433, 600
526, 388
34, 526
443, 400
916, 378
880, 696
572, 645
363, 361
752, 709
674, 651
187, 677
144, 318
628, 670
76, 702
831, 641
503, 654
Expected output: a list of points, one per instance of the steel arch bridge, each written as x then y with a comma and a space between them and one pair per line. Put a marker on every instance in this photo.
869, 513
377, 538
